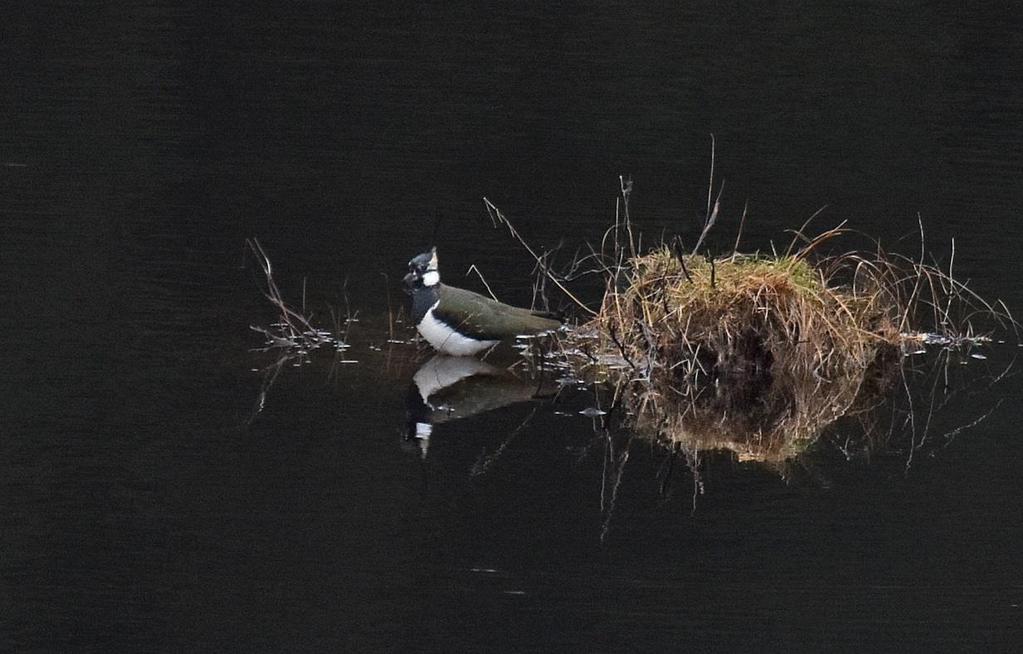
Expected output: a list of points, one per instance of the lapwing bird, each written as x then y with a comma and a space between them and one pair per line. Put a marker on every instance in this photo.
462, 323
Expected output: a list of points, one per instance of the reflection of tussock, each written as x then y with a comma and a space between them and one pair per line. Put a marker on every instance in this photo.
767, 418
775, 423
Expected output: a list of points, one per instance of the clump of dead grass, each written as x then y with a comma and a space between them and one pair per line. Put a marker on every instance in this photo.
697, 315
754, 354
758, 354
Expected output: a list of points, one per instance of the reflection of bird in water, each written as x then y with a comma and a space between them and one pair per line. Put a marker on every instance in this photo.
449, 388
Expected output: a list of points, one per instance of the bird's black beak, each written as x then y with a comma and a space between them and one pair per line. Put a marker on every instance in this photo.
409, 281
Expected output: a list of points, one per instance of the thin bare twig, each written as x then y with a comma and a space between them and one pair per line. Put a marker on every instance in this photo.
738, 235
499, 219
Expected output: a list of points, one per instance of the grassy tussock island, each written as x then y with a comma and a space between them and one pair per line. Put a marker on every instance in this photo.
739, 312
759, 354
744, 353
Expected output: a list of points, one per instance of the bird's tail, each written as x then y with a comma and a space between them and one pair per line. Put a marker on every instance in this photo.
550, 315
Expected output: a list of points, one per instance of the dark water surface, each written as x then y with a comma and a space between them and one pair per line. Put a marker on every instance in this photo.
144, 508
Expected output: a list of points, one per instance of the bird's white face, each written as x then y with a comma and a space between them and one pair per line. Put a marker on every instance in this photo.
431, 278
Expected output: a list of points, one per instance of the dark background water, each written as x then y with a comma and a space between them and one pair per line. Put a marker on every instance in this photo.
140, 146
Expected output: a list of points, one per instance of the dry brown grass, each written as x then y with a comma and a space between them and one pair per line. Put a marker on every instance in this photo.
665, 310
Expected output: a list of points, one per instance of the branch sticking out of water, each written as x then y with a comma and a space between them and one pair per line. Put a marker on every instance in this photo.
293, 329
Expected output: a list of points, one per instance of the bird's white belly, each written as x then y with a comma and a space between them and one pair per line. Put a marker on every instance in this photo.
445, 339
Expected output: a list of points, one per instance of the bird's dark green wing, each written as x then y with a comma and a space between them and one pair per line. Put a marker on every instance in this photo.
483, 318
